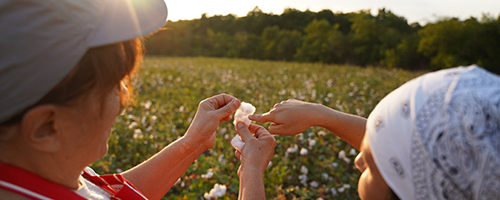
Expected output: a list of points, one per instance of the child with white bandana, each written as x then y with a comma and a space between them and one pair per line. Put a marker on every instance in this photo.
435, 137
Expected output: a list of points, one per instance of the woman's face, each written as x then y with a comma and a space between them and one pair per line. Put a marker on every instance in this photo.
88, 126
371, 185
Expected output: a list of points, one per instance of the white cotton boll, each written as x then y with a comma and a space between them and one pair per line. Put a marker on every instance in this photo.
132, 125
314, 184
220, 190
353, 152
342, 154
209, 174
237, 143
304, 169
242, 115
321, 133
303, 179
213, 193
312, 142
325, 176
292, 149
303, 152
243, 112
333, 191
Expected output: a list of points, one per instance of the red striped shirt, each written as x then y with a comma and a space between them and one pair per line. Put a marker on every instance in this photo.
28, 184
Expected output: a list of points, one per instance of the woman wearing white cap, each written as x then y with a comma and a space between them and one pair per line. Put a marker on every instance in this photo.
435, 137
63, 64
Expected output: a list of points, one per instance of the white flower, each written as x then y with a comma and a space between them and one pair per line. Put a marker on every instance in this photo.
341, 189
270, 164
304, 169
303, 152
314, 184
335, 164
119, 170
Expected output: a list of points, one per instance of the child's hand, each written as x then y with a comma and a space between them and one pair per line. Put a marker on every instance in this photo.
289, 117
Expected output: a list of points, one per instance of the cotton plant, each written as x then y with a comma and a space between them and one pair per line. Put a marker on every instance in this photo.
216, 192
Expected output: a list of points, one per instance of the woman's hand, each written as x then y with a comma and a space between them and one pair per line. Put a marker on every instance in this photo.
289, 117
258, 149
254, 157
211, 112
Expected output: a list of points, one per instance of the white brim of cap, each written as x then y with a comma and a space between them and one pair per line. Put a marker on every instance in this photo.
43, 40
129, 19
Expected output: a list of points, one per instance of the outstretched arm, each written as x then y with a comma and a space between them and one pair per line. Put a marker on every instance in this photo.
155, 176
292, 117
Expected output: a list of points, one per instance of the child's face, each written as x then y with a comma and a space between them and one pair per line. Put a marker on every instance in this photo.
371, 185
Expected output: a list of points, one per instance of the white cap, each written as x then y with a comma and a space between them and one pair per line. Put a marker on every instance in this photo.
41, 41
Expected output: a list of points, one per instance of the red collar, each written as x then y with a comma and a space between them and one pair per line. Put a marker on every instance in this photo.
28, 184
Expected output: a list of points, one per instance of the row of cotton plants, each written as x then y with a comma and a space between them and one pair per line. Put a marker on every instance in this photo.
313, 165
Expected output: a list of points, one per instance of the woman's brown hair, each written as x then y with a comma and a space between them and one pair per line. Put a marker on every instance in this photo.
101, 68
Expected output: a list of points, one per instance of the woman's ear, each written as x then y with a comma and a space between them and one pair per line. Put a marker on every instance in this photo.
39, 128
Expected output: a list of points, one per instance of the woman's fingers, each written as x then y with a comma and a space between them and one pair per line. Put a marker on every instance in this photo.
243, 131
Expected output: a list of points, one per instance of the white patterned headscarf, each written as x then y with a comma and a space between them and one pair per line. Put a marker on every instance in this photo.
438, 136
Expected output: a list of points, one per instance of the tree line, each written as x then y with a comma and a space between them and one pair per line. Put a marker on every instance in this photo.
356, 38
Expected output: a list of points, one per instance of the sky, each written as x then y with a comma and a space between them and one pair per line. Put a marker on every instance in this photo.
421, 11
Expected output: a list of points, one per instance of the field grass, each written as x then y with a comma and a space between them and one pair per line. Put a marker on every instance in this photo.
168, 90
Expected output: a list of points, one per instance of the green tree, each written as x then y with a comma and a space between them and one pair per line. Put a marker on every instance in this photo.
321, 42
280, 44
442, 42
